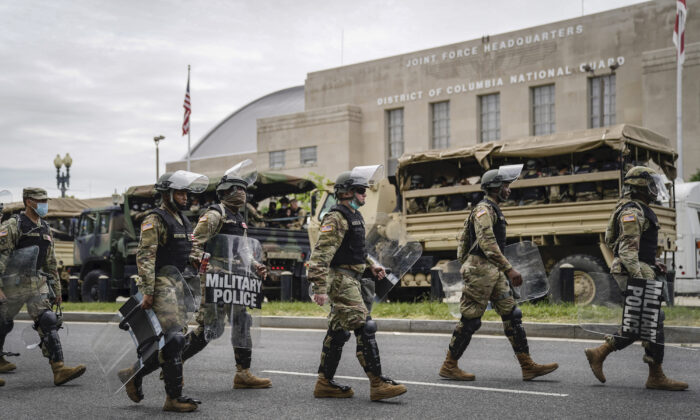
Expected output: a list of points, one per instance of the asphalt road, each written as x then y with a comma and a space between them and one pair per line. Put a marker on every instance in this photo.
290, 358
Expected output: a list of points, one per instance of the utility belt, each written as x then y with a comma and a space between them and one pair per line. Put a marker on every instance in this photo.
354, 274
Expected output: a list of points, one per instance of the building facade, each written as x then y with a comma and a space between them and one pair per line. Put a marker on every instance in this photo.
608, 68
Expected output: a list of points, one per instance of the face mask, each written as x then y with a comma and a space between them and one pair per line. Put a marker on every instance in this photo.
236, 199
355, 204
42, 209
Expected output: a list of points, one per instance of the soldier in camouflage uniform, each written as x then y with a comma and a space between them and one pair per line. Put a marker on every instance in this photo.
532, 195
587, 191
335, 268
225, 219
297, 212
166, 240
632, 235
416, 205
484, 270
22, 231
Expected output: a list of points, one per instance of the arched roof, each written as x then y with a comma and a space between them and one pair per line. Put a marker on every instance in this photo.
237, 133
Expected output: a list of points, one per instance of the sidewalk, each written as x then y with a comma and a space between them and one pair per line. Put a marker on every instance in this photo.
567, 331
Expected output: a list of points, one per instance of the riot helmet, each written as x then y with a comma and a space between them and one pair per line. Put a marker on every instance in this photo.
357, 180
645, 181
499, 178
181, 181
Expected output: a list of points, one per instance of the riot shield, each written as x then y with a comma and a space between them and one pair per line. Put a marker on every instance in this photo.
525, 258
637, 309
452, 284
119, 358
233, 289
17, 282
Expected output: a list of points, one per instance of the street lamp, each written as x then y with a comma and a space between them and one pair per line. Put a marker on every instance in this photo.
63, 178
157, 139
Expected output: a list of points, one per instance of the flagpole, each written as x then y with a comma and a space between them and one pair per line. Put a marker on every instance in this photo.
188, 130
679, 119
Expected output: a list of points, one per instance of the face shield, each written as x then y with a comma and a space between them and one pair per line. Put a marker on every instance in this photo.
367, 175
190, 181
245, 170
509, 173
657, 189
5, 197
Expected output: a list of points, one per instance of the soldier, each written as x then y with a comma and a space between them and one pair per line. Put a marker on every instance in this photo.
459, 201
297, 212
484, 269
587, 191
610, 187
533, 195
438, 203
561, 193
166, 240
253, 213
416, 205
22, 231
271, 213
335, 268
632, 235
223, 218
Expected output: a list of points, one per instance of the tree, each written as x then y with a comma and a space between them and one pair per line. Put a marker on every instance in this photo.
696, 176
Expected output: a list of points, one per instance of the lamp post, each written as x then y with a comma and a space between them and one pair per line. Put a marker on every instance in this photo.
63, 178
157, 140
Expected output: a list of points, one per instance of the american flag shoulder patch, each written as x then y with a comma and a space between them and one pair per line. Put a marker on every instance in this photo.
327, 228
481, 213
3, 233
203, 218
146, 226
628, 218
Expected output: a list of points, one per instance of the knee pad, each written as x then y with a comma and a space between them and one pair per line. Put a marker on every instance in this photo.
339, 337
174, 343
515, 315
47, 321
470, 326
370, 326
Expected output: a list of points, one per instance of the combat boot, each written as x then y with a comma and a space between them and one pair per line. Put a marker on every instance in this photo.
62, 374
531, 369
245, 379
180, 404
381, 388
450, 370
657, 380
132, 384
328, 388
6, 366
596, 357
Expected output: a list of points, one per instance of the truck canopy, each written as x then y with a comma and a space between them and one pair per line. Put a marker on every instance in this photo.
64, 207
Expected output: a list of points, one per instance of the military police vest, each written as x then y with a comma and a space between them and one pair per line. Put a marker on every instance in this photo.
32, 235
352, 249
648, 242
233, 223
177, 248
499, 231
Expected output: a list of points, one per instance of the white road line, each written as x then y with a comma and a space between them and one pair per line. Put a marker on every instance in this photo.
476, 388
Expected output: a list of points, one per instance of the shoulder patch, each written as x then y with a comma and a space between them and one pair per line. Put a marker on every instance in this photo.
146, 226
244, 225
481, 212
629, 218
3, 233
203, 218
327, 228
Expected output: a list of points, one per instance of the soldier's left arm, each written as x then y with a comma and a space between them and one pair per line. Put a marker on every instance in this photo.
50, 266
207, 226
153, 234
331, 236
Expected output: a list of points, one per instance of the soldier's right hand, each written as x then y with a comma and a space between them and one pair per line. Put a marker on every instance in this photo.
515, 277
320, 299
147, 302
3, 298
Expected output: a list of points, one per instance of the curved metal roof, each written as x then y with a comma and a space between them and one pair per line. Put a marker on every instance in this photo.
237, 133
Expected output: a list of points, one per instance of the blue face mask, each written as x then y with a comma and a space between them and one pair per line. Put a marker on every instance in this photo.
355, 204
42, 209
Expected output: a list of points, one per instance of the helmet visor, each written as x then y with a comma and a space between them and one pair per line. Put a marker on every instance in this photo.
190, 181
657, 188
367, 175
509, 173
245, 170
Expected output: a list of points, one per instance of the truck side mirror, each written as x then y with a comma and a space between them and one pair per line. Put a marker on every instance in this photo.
314, 197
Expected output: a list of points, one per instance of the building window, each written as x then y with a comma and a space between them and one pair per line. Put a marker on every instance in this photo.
307, 155
602, 97
277, 159
543, 110
490, 109
395, 132
441, 125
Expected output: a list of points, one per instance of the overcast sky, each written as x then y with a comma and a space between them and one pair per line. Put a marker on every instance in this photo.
99, 79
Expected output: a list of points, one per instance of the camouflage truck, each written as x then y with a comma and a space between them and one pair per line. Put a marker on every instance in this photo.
107, 238
566, 232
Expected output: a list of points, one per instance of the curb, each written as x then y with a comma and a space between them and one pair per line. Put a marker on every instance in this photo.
673, 334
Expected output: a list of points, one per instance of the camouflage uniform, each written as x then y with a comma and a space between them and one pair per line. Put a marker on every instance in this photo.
587, 191
33, 290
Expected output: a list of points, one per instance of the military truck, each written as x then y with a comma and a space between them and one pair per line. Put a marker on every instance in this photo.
107, 238
566, 232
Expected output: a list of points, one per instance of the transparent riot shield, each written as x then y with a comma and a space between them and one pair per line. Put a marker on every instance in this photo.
233, 290
20, 273
121, 358
452, 284
525, 258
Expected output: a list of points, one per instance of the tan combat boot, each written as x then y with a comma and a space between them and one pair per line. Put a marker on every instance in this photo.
657, 380
328, 388
62, 374
179, 405
131, 384
450, 370
6, 366
596, 357
381, 388
245, 379
531, 369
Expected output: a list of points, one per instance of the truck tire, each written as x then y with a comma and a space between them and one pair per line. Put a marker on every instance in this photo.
587, 289
91, 286
73, 290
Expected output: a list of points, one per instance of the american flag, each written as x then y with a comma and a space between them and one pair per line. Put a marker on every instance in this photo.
188, 109
679, 30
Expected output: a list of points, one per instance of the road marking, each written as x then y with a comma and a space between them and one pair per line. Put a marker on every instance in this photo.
476, 388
